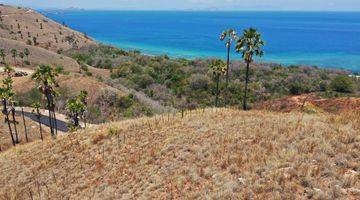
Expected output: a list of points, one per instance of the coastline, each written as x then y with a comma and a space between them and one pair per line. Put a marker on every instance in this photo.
192, 35
293, 60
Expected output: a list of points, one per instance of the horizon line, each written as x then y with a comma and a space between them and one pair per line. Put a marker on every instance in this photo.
180, 10
190, 10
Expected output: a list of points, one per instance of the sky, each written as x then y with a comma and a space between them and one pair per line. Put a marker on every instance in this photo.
301, 5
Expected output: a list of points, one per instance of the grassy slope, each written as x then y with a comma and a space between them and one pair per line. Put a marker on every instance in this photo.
213, 153
38, 55
46, 53
30, 20
32, 128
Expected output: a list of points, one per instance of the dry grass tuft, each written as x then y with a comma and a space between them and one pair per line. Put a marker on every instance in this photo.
97, 138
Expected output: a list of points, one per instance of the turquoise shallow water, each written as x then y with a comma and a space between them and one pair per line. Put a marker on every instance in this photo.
325, 39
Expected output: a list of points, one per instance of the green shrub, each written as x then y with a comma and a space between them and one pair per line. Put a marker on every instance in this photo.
84, 68
112, 131
29, 98
107, 64
297, 88
298, 84
59, 69
142, 80
199, 82
88, 73
126, 101
94, 113
82, 58
343, 83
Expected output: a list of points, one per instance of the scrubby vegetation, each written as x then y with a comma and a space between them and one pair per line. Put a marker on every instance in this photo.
189, 83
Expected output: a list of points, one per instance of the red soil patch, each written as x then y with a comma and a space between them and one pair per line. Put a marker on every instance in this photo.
292, 103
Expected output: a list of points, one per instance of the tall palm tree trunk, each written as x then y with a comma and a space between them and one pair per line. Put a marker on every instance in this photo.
50, 116
217, 90
76, 119
6, 114
39, 119
11, 134
14, 122
55, 121
25, 129
227, 74
246, 85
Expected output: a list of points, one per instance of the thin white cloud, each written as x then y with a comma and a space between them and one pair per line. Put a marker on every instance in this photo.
194, 4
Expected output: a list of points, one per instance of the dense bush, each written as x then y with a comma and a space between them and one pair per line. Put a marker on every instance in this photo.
343, 83
83, 58
29, 98
126, 101
199, 82
142, 80
188, 83
298, 84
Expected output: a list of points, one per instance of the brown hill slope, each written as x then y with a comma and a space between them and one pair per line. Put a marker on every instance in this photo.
38, 55
22, 28
32, 130
220, 154
23, 24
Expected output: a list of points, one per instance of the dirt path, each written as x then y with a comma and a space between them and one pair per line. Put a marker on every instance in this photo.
18, 69
61, 120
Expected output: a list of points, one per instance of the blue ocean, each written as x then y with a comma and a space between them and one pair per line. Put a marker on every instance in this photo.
324, 39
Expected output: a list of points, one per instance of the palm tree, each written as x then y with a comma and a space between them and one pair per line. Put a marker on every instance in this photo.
14, 54
218, 68
45, 76
27, 53
36, 109
8, 69
2, 55
249, 45
35, 41
12, 108
76, 108
83, 98
7, 94
22, 55
10, 97
228, 36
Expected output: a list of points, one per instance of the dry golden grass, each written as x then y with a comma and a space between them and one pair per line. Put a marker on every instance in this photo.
20, 25
216, 154
32, 128
38, 56
74, 82
310, 102
24, 21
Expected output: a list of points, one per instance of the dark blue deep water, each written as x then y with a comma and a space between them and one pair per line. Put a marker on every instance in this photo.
326, 39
